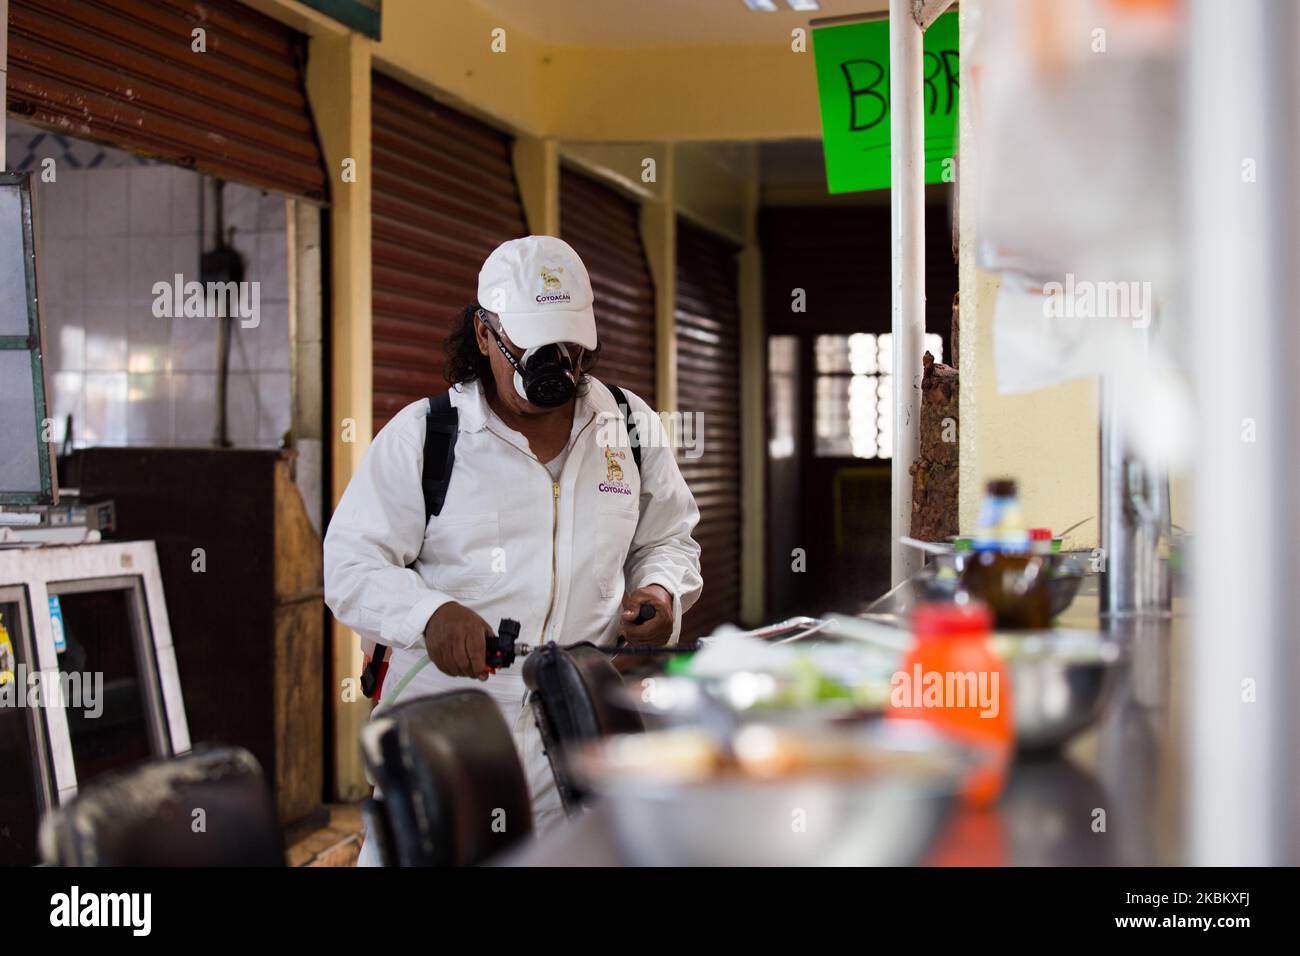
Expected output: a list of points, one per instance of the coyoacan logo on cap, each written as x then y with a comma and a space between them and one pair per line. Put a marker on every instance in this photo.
552, 290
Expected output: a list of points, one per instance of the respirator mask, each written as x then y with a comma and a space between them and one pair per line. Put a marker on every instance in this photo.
545, 375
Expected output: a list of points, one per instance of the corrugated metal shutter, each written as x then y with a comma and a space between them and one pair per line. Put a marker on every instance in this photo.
708, 381
123, 73
444, 197
605, 229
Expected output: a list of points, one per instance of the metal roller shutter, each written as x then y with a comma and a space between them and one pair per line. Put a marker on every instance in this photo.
604, 227
708, 381
444, 197
123, 73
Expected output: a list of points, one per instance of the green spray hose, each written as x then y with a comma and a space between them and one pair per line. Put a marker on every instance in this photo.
401, 686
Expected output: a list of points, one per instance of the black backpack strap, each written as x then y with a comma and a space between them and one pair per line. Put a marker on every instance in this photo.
441, 427
373, 671
625, 410
440, 430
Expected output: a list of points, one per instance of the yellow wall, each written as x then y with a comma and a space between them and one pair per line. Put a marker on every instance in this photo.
740, 93
444, 49
734, 92
1046, 440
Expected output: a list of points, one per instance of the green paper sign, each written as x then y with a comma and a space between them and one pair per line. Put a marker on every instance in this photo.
853, 86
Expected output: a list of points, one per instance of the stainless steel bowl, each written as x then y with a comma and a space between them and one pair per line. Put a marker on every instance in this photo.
886, 817
1061, 679
1060, 684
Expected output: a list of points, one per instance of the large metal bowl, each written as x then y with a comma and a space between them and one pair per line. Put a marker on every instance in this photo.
1060, 684
888, 817
1061, 679
723, 705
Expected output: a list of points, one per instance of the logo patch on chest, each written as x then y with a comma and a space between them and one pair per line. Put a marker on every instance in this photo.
614, 483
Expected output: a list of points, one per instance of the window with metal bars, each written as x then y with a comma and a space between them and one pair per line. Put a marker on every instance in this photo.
853, 394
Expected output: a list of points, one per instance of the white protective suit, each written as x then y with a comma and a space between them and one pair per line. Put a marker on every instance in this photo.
557, 556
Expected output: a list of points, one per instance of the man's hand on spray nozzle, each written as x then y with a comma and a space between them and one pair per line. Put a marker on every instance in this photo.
462, 644
456, 641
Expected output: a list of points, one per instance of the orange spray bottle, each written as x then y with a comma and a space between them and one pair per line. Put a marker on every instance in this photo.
954, 681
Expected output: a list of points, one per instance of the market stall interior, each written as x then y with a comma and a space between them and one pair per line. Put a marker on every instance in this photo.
970, 328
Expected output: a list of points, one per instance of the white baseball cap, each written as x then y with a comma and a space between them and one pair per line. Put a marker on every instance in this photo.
540, 289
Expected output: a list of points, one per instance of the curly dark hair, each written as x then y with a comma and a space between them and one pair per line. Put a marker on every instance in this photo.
465, 363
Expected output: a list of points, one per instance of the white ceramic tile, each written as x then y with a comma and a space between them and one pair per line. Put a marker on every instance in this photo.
15, 146
149, 409
150, 200
61, 205
149, 261
272, 264
194, 408
107, 202
107, 269
60, 272
245, 244
65, 338
241, 207
185, 256
244, 344
105, 408
105, 337
273, 412
241, 409
96, 157
194, 345
272, 213
184, 202
66, 398
149, 342
272, 336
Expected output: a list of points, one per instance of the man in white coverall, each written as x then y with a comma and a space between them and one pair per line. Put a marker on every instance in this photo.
545, 520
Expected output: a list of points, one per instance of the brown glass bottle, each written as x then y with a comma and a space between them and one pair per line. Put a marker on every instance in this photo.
1016, 587
1001, 571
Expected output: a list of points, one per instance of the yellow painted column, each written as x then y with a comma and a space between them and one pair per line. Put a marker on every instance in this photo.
537, 172
659, 235
753, 420
338, 86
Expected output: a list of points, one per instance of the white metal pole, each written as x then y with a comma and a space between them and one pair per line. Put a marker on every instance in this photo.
1241, 194
907, 226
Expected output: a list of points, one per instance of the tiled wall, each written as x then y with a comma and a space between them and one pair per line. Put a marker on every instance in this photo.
109, 227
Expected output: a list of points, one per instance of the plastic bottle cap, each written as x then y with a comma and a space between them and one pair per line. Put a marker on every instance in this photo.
1040, 534
952, 620
1002, 487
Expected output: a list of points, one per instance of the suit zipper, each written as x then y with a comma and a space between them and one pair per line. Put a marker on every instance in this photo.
555, 527
555, 518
